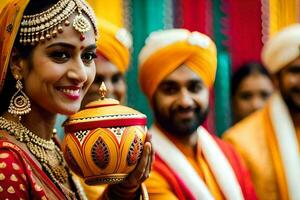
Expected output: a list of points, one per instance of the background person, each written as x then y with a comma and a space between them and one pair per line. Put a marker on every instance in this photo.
251, 87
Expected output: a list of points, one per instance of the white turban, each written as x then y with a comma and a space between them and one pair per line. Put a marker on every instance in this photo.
282, 49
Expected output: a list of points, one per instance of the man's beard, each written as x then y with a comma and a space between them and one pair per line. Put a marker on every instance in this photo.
184, 127
290, 102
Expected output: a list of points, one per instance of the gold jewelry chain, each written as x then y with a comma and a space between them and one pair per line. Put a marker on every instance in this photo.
45, 151
22, 134
47, 24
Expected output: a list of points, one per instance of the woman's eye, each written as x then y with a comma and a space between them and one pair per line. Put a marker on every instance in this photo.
245, 95
60, 56
88, 57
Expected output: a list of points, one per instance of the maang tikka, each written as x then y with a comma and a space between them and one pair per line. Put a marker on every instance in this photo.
47, 24
19, 104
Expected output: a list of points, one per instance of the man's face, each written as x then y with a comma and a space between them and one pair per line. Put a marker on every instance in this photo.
113, 79
289, 85
180, 102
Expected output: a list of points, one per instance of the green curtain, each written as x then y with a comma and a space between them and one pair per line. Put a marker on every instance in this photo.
222, 83
147, 16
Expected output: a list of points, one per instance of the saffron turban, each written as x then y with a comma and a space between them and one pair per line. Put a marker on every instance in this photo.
167, 50
114, 44
282, 48
10, 20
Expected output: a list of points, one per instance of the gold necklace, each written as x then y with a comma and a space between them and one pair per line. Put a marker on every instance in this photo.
45, 151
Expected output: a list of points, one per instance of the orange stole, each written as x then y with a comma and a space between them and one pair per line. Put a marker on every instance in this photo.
197, 160
210, 180
264, 160
246, 135
161, 187
177, 189
274, 149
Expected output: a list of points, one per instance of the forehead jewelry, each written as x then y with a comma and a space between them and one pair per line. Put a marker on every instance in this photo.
47, 24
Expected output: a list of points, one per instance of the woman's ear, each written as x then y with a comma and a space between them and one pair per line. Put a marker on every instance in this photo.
17, 64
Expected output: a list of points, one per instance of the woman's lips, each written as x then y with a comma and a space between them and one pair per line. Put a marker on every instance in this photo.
71, 92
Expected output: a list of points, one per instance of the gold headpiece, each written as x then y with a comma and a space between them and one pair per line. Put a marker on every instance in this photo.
47, 24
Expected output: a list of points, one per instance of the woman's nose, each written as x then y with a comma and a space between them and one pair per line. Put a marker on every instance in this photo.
257, 103
78, 72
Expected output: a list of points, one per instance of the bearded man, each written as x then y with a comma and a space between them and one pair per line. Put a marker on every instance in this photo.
177, 67
269, 140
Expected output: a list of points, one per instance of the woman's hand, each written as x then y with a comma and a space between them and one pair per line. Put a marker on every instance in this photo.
128, 188
143, 168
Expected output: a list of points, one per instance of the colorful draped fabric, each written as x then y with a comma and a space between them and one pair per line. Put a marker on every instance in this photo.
16, 178
21, 177
114, 44
167, 50
10, 19
256, 139
112, 11
196, 15
197, 160
165, 183
246, 135
158, 184
281, 14
4, 2
240, 35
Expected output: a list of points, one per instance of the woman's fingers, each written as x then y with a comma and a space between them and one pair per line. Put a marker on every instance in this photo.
137, 175
143, 168
149, 163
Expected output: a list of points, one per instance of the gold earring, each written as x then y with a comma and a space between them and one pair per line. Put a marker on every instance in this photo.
19, 103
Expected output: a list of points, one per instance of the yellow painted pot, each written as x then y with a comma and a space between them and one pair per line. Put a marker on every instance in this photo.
103, 142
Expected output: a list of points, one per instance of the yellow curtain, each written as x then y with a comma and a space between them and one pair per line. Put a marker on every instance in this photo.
282, 13
111, 10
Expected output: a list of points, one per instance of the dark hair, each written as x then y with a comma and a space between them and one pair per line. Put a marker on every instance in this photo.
244, 71
33, 7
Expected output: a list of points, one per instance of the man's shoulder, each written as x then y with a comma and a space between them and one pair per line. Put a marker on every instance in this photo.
249, 128
249, 139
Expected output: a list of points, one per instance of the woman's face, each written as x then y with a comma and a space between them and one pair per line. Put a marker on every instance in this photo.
251, 95
113, 79
59, 72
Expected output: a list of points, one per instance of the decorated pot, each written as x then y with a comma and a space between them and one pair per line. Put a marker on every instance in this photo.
103, 142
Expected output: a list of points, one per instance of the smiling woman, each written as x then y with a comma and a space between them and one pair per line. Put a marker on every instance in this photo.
47, 51
66, 74
42, 56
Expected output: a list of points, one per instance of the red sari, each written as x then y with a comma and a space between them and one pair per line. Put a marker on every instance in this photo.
22, 178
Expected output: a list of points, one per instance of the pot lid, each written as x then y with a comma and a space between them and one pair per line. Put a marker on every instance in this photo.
103, 113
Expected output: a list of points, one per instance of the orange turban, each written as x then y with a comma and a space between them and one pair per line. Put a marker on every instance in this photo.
10, 19
114, 44
167, 50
